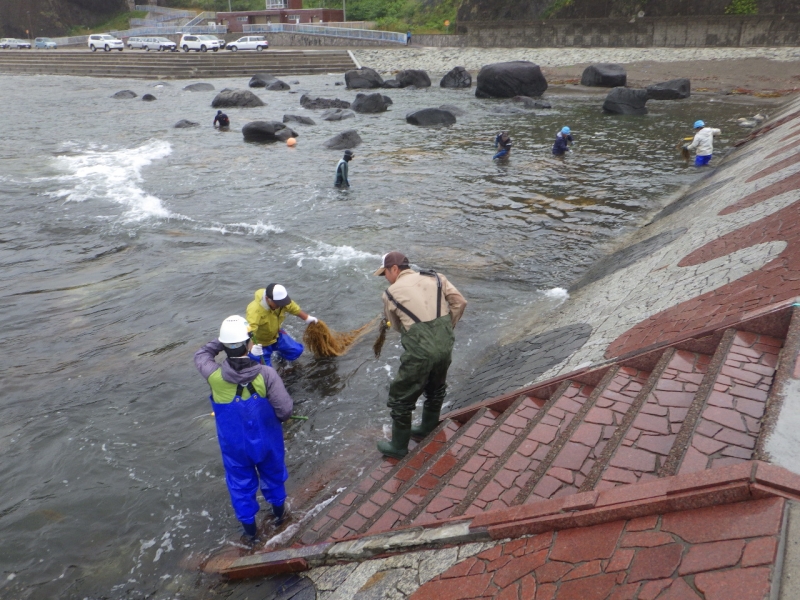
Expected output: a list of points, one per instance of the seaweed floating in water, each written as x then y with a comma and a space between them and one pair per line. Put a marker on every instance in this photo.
323, 341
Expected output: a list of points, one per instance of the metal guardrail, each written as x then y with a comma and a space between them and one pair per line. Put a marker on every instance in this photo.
343, 32
178, 14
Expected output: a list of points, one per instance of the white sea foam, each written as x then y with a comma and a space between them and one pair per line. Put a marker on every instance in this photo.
332, 257
259, 228
557, 294
116, 176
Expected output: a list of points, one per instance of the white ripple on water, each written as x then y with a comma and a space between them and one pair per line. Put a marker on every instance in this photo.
259, 228
116, 176
332, 257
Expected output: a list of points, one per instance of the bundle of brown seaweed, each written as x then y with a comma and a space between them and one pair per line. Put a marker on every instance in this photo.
323, 341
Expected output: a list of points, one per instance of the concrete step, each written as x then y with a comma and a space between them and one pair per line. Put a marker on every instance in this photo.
730, 422
589, 436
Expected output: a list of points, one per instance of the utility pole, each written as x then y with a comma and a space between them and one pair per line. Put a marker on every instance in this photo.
344, 11
30, 27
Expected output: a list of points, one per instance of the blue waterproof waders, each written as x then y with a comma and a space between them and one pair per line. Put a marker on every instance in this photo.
251, 439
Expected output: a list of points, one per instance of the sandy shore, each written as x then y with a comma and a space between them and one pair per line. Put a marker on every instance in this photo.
716, 69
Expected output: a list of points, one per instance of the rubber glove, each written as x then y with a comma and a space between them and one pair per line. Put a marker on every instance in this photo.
311, 319
257, 350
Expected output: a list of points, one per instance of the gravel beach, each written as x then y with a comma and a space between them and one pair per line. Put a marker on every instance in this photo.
716, 69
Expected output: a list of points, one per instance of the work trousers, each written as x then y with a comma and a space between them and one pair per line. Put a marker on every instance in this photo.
423, 369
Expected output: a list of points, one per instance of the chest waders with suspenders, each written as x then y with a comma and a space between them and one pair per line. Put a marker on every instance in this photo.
428, 348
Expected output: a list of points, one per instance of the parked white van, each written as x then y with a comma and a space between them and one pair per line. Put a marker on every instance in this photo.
200, 43
104, 41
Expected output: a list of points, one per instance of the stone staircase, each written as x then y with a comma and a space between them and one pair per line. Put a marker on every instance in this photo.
174, 65
690, 406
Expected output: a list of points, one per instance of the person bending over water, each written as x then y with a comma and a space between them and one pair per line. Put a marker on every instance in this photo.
503, 143
703, 143
563, 140
222, 119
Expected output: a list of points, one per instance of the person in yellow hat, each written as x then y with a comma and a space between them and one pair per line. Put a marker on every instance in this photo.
265, 315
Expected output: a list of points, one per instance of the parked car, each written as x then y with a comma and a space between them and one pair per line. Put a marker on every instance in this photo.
222, 43
19, 44
44, 43
200, 43
249, 42
6, 42
160, 43
104, 41
135, 42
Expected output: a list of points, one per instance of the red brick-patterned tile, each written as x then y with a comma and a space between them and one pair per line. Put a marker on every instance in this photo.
655, 563
712, 556
760, 551
728, 522
742, 584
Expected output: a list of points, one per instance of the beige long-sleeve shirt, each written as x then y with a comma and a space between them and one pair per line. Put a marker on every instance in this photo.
418, 294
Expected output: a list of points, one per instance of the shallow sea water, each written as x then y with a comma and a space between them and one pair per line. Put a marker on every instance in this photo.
125, 242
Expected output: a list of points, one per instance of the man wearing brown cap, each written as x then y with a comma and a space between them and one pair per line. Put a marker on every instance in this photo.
424, 307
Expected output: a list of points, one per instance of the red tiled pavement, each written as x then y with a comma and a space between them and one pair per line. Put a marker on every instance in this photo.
705, 558
728, 428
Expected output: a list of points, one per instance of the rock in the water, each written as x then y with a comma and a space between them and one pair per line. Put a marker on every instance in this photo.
457, 77
391, 84
337, 114
363, 78
508, 109
339, 83
604, 75
509, 79
159, 84
626, 101
236, 98
125, 95
298, 119
267, 131
369, 103
278, 86
453, 109
260, 80
531, 103
416, 77
185, 124
199, 87
428, 117
295, 82
307, 101
387, 101
674, 89
344, 140
148, 97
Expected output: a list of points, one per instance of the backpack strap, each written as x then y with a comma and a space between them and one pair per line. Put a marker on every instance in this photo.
250, 388
432, 273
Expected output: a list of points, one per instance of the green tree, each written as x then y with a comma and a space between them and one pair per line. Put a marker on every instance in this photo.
742, 7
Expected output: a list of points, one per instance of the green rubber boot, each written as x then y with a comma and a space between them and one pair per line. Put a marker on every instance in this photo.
430, 421
398, 446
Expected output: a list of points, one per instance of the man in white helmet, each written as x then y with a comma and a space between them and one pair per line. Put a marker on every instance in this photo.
265, 314
249, 402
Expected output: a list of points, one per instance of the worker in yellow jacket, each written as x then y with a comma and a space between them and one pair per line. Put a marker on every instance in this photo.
265, 315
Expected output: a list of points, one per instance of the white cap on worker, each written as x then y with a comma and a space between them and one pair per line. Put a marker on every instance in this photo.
278, 294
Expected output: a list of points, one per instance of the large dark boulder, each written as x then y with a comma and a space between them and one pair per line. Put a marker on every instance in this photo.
674, 89
369, 103
626, 101
199, 87
236, 99
344, 140
278, 86
260, 80
431, 117
457, 77
267, 131
148, 97
307, 101
125, 95
387, 101
509, 79
185, 124
337, 114
298, 119
416, 77
392, 84
363, 78
604, 75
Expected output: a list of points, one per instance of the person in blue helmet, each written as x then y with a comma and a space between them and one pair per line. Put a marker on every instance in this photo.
503, 144
563, 141
703, 143
249, 402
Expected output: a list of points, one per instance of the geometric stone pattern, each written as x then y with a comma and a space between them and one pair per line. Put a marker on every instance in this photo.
511, 481
727, 430
514, 365
717, 553
652, 434
576, 459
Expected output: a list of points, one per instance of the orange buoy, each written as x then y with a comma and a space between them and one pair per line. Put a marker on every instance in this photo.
291, 142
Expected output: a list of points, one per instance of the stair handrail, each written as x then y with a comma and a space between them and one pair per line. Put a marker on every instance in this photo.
324, 30
200, 17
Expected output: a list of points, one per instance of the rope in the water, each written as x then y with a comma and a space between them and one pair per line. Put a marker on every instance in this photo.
323, 341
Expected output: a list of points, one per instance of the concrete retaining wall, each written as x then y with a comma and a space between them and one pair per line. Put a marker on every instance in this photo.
674, 32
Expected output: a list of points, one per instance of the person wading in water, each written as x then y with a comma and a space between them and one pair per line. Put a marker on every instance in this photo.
222, 119
343, 169
424, 307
